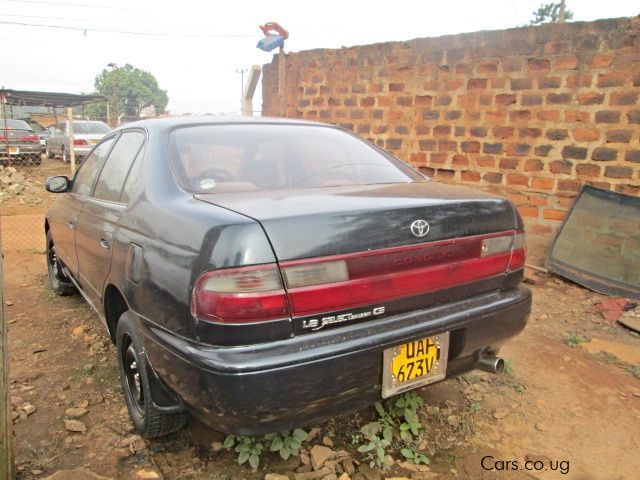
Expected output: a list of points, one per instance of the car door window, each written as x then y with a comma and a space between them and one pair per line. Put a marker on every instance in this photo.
83, 181
130, 182
117, 166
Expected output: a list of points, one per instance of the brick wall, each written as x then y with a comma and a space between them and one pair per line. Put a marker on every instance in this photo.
532, 113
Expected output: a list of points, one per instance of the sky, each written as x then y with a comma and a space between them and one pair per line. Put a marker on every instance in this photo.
195, 49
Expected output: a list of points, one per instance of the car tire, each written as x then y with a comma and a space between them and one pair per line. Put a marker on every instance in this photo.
148, 419
59, 282
64, 155
48, 152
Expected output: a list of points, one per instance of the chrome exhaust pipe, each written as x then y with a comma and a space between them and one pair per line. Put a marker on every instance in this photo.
490, 363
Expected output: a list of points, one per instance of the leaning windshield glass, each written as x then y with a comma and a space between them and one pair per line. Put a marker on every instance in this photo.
225, 158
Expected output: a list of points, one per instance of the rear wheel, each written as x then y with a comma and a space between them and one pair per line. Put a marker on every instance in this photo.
59, 282
148, 419
65, 159
48, 152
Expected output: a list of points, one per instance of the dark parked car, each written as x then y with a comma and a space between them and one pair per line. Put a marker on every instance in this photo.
19, 144
264, 273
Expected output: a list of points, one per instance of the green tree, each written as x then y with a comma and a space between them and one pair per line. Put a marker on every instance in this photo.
128, 90
550, 13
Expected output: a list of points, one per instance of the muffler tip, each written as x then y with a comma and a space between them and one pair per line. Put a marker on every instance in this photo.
491, 364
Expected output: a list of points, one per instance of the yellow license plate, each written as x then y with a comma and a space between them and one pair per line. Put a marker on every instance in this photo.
93, 142
14, 150
414, 363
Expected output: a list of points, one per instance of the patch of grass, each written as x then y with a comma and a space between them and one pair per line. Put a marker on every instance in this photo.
630, 368
40, 458
574, 339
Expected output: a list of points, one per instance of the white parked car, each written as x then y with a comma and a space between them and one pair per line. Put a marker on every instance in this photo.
86, 134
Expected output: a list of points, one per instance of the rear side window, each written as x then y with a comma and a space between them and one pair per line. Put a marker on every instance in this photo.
115, 170
83, 181
235, 158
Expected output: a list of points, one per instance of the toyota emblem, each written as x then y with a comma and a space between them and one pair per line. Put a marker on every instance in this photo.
420, 228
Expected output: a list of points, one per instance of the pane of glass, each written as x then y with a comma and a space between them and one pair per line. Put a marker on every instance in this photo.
224, 158
83, 180
130, 182
115, 170
599, 244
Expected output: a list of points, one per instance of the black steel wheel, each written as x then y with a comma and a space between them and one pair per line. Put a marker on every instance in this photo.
147, 417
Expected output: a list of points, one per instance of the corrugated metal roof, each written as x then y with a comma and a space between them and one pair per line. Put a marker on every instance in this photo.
47, 99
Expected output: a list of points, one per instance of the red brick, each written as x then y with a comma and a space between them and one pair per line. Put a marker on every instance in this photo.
527, 211
606, 80
586, 134
477, 83
618, 136
460, 160
579, 80
533, 165
469, 176
623, 98
588, 170
590, 98
602, 61
488, 67
488, 162
493, 177
548, 115
470, 147
515, 179
509, 163
566, 63
396, 87
543, 183
538, 65
551, 214
505, 99
423, 100
569, 185
442, 130
573, 116
615, 171
561, 166
502, 132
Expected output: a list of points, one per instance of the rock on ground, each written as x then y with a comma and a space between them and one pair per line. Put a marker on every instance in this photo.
77, 474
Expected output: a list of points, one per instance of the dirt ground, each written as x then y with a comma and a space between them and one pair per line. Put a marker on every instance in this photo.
556, 403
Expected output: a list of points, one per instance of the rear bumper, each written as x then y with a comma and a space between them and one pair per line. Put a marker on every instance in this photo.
262, 388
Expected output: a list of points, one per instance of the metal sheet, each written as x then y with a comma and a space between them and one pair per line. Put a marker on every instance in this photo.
598, 245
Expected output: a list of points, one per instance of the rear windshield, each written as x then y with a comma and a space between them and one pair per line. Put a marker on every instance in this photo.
14, 124
237, 158
90, 127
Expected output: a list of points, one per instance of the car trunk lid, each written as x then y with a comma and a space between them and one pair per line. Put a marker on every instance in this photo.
317, 222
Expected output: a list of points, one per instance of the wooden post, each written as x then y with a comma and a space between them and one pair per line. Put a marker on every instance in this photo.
72, 151
108, 113
281, 79
562, 11
6, 131
7, 466
249, 90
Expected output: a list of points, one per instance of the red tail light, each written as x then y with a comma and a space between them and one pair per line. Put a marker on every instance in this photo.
253, 294
30, 138
238, 295
79, 142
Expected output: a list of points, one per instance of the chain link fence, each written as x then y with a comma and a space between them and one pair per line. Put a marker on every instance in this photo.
23, 205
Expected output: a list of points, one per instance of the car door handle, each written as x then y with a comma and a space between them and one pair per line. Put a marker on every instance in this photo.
105, 242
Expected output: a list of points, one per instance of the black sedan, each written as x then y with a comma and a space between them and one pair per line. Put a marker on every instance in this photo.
262, 274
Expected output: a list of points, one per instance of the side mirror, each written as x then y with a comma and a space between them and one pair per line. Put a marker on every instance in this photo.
57, 184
